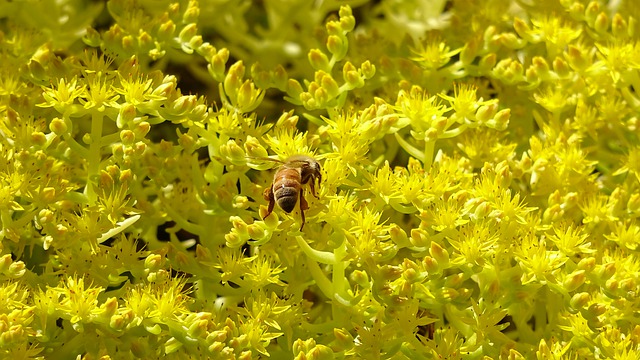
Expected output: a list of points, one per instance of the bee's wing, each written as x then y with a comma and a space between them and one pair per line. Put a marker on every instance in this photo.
262, 163
295, 164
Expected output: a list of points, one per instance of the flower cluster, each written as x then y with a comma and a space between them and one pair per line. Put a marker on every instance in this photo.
479, 190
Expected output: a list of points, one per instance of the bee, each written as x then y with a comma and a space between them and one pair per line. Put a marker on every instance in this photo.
296, 171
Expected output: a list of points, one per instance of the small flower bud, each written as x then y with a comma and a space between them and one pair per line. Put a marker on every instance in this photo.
320, 96
333, 28
606, 271
47, 241
612, 285
142, 129
601, 24
541, 66
486, 112
350, 74
511, 41
38, 138
239, 225
419, 238
591, 12
166, 90
189, 31
320, 352
45, 216
248, 97
110, 307
191, 14
431, 265
347, 20
92, 37
61, 230
36, 69
216, 347
233, 152
126, 115
390, 272
271, 221
257, 231
139, 348
454, 281
58, 126
232, 81
166, 29
319, 60
561, 68
154, 262
595, 310
367, 69
399, 236
145, 40
198, 328
128, 42
482, 211
628, 284
532, 76
411, 271
574, 280
360, 277
294, 89
139, 148
233, 240
16, 269
440, 254
49, 194
127, 137
579, 300
260, 77
487, 62
217, 64
633, 205
183, 104
587, 264
336, 46
631, 30
254, 149
430, 135
469, 52
440, 125
553, 213
5, 262
501, 120
331, 86
343, 338
522, 28
449, 294
279, 77
577, 60
302, 346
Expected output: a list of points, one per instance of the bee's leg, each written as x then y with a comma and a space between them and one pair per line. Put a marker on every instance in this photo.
268, 195
313, 188
303, 206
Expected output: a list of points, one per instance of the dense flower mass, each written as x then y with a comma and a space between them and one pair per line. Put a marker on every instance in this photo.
478, 194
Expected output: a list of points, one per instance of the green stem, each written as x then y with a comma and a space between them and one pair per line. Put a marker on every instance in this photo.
93, 158
339, 280
73, 144
412, 150
321, 279
429, 148
323, 257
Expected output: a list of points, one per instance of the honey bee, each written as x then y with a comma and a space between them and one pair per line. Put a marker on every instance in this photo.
287, 184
